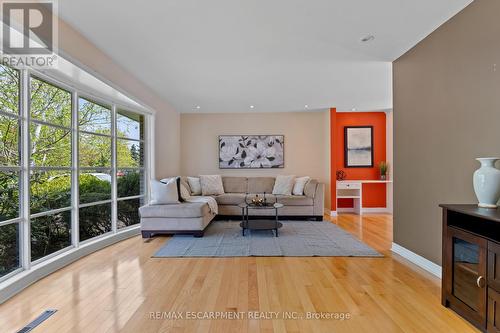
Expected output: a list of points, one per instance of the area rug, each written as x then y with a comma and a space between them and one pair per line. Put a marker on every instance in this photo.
296, 239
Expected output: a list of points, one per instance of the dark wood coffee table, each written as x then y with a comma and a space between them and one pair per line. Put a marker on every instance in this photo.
260, 224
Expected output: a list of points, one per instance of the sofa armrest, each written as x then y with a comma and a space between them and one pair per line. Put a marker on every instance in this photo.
319, 200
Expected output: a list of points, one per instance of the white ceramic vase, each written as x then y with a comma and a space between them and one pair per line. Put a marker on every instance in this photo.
487, 182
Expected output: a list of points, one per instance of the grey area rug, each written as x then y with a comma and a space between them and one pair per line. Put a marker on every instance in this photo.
296, 239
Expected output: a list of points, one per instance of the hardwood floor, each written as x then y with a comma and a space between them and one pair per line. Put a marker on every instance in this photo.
117, 288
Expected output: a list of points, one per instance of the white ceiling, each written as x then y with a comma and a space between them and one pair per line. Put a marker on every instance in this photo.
278, 55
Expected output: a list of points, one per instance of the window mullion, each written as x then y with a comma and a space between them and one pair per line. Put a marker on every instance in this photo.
114, 194
75, 194
25, 171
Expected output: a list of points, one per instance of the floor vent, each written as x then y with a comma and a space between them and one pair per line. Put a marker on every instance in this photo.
40, 319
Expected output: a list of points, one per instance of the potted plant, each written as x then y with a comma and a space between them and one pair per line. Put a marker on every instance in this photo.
383, 167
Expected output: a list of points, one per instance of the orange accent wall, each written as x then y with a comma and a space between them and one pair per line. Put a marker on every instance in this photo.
374, 195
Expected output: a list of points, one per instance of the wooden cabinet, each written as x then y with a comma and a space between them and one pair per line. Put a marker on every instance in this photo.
494, 265
493, 314
471, 264
493, 311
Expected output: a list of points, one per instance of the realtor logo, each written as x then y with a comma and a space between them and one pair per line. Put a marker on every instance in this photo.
29, 33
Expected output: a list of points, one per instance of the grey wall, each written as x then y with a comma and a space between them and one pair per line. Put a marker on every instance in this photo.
446, 113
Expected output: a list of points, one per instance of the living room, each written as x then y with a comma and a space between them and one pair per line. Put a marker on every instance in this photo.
239, 166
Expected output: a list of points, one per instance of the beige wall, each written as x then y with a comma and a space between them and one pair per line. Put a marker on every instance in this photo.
446, 113
306, 142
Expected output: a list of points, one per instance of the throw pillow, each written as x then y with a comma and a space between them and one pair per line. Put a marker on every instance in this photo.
283, 185
162, 194
300, 184
178, 182
211, 185
185, 195
195, 185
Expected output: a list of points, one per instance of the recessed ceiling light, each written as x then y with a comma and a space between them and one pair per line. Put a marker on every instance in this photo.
353, 109
306, 106
251, 106
198, 107
368, 38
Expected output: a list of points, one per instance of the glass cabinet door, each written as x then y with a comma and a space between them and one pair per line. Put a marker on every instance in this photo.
466, 278
466, 272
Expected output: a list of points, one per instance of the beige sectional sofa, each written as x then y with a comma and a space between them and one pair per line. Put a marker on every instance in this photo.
194, 217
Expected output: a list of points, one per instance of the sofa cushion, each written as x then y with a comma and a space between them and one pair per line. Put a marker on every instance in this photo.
310, 188
185, 209
300, 184
260, 184
294, 200
178, 182
164, 192
234, 184
283, 184
211, 185
230, 198
194, 185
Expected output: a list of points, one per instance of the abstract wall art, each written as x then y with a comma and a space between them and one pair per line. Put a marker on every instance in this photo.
251, 151
358, 146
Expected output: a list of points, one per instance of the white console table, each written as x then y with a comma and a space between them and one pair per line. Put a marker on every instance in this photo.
353, 189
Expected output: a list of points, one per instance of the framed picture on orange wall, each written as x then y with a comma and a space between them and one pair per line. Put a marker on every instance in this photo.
358, 146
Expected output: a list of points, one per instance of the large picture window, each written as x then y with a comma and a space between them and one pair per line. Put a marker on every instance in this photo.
71, 168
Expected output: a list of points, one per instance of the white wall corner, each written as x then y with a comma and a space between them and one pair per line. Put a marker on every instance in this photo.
418, 260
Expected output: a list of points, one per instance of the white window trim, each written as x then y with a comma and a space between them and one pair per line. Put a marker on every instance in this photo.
131, 197
11, 221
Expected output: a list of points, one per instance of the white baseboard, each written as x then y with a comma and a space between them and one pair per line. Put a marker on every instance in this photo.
371, 210
18, 282
333, 213
345, 210
418, 260
376, 210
